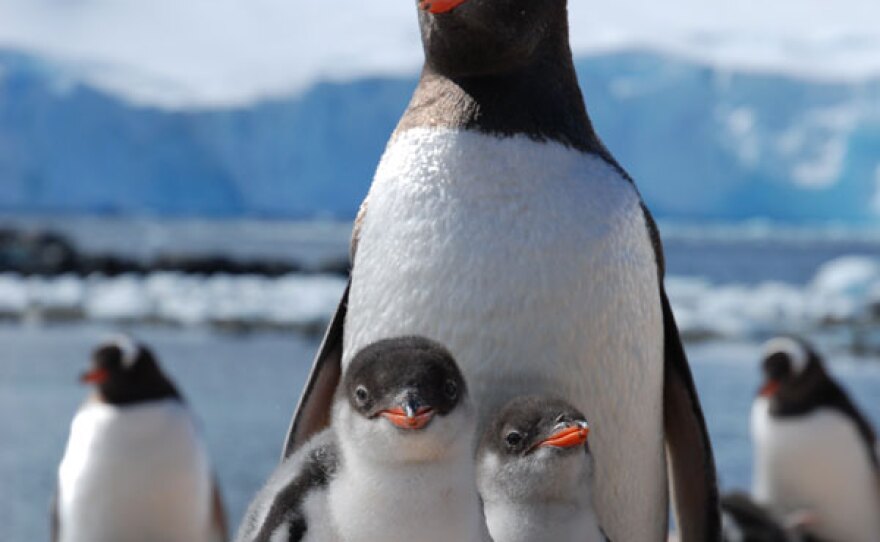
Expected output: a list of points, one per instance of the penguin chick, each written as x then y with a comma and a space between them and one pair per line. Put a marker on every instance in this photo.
814, 451
135, 468
396, 464
535, 473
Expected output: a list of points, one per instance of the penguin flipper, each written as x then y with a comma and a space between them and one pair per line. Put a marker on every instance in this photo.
692, 466
279, 505
313, 411
219, 523
54, 518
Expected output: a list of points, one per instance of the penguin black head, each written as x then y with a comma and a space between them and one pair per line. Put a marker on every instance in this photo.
404, 398
792, 369
479, 37
124, 373
535, 447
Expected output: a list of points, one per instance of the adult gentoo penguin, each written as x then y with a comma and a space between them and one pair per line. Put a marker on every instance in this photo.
815, 453
498, 224
396, 466
135, 468
535, 474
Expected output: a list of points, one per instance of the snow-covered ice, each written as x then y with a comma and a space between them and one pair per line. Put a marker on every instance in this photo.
845, 293
297, 302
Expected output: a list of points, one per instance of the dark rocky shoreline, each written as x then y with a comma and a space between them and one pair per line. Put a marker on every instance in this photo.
50, 253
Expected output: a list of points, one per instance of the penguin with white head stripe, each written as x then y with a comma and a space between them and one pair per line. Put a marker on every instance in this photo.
814, 451
135, 468
500, 225
535, 474
397, 464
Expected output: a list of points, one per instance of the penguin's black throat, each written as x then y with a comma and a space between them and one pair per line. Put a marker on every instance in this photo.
502, 67
493, 37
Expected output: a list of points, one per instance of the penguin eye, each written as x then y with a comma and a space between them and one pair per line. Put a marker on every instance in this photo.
513, 438
450, 389
361, 394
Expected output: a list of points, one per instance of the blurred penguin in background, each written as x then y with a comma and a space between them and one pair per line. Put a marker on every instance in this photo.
815, 452
135, 468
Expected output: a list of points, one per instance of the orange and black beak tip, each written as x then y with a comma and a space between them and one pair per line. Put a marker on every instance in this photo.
440, 6
568, 437
769, 388
95, 376
409, 416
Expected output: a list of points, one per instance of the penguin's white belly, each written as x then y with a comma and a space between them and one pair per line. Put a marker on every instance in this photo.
816, 463
320, 526
536, 523
134, 474
533, 264
407, 503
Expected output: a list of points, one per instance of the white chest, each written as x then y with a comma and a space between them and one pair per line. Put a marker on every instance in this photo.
534, 522
134, 474
816, 463
427, 502
532, 263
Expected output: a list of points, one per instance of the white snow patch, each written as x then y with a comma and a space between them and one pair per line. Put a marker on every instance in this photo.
13, 295
228, 52
174, 298
741, 124
844, 291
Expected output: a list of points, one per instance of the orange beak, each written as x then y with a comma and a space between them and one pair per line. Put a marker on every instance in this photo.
95, 376
408, 420
575, 435
440, 6
769, 389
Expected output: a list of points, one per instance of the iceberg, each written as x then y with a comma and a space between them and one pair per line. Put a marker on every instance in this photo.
703, 143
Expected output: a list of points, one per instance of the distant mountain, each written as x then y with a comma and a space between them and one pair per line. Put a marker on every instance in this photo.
703, 143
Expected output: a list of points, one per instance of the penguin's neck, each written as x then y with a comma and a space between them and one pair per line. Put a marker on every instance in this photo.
541, 100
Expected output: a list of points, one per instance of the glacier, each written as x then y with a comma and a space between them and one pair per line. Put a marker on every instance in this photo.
705, 142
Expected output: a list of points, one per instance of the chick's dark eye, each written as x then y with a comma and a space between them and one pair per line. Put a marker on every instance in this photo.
361, 394
450, 389
513, 438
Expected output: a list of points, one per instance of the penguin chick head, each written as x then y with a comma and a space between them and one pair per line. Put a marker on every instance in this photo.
535, 449
789, 365
466, 38
124, 372
404, 400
